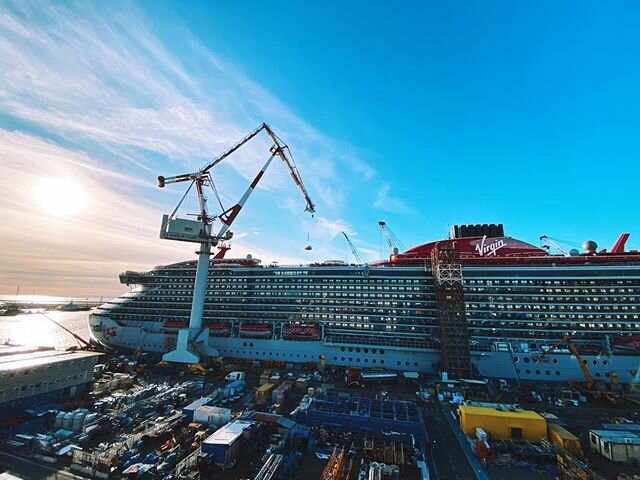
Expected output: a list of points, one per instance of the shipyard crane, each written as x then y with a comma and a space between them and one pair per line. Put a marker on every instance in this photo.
200, 231
393, 241
359, 259
608, 395
574, 350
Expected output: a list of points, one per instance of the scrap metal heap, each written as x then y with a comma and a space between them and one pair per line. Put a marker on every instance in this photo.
454, 332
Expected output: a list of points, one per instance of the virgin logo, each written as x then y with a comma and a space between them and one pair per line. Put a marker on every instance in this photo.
487, 249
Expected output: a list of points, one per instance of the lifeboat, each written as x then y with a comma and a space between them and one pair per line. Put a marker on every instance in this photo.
174, 324
255, 330
217, 329
301, 332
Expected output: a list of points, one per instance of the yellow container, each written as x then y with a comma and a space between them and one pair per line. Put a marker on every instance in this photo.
264, 390
565, 439
503, 424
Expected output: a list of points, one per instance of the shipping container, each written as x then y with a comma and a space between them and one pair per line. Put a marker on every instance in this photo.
617, 446
565, 439
212, 416
279, 394
263, 391
225, 443
503, 424
189, 409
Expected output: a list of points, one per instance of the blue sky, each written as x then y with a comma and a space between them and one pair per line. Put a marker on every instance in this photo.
423, 114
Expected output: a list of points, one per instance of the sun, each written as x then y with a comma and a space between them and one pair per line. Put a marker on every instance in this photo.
60, 196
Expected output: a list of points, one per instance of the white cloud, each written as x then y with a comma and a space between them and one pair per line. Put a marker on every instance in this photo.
386, 202
324, 228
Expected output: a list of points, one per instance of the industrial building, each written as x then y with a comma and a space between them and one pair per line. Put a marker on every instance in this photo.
503, 424
389, 418
31, 376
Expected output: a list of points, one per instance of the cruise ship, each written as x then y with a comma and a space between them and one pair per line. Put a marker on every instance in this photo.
519, 300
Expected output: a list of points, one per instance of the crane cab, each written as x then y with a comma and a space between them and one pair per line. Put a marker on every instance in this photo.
184, 230
308, 247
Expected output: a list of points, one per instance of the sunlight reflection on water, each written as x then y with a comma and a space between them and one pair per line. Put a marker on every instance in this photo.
35, 329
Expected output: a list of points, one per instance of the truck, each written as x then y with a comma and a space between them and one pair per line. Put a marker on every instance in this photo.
233, 376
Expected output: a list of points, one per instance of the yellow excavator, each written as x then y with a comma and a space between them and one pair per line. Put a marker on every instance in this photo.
615, 398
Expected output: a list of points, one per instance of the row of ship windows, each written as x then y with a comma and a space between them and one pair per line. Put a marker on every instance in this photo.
548, 372
549, 298
570, 325
565, 282
545, 291
272, 282
551, 316
528, 306
536, 360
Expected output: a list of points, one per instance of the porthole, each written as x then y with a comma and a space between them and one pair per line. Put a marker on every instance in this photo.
415, 364
597, 374
244, 344
381, 352
373, 361
557, 373
351, 349
526, 359
595, 362
519, 371
605, 362
399, 362
584, 362
547, 372
351, 359
342, 349
537, 372
335, 358
366, 350
357, 350
555, 360
342, 359
373, 350
527, 371
536, 360
366, 360
251, 344
406, 364
516, 359
381, 361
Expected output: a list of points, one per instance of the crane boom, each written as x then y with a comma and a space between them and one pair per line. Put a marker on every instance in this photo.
277, 149
354, 251
574, 350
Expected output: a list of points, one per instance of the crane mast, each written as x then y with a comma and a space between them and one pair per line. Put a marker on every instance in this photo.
193, 341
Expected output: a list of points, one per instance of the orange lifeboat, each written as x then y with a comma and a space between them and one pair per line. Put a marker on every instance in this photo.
255, 330
301, 331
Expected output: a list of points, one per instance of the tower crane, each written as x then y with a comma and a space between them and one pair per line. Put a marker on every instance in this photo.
200, 231
394, 243
359, 259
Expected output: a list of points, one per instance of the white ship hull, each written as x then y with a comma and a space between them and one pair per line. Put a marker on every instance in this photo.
561, 367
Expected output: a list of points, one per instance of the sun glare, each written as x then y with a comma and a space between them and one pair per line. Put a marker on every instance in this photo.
60, 196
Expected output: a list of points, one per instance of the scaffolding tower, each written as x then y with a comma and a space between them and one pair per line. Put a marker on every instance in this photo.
454, 330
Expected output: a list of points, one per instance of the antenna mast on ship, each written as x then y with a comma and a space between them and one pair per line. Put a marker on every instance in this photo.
193, 341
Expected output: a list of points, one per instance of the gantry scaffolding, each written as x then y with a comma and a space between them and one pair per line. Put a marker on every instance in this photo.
454, 331
335, 469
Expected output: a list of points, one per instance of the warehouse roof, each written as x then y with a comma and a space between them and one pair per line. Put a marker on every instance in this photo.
614, 436
495, 412
38, 357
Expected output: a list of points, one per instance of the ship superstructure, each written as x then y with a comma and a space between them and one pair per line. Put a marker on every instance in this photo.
515, 299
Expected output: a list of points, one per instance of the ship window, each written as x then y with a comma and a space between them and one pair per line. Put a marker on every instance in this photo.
381, 361
527, 371
342, 358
